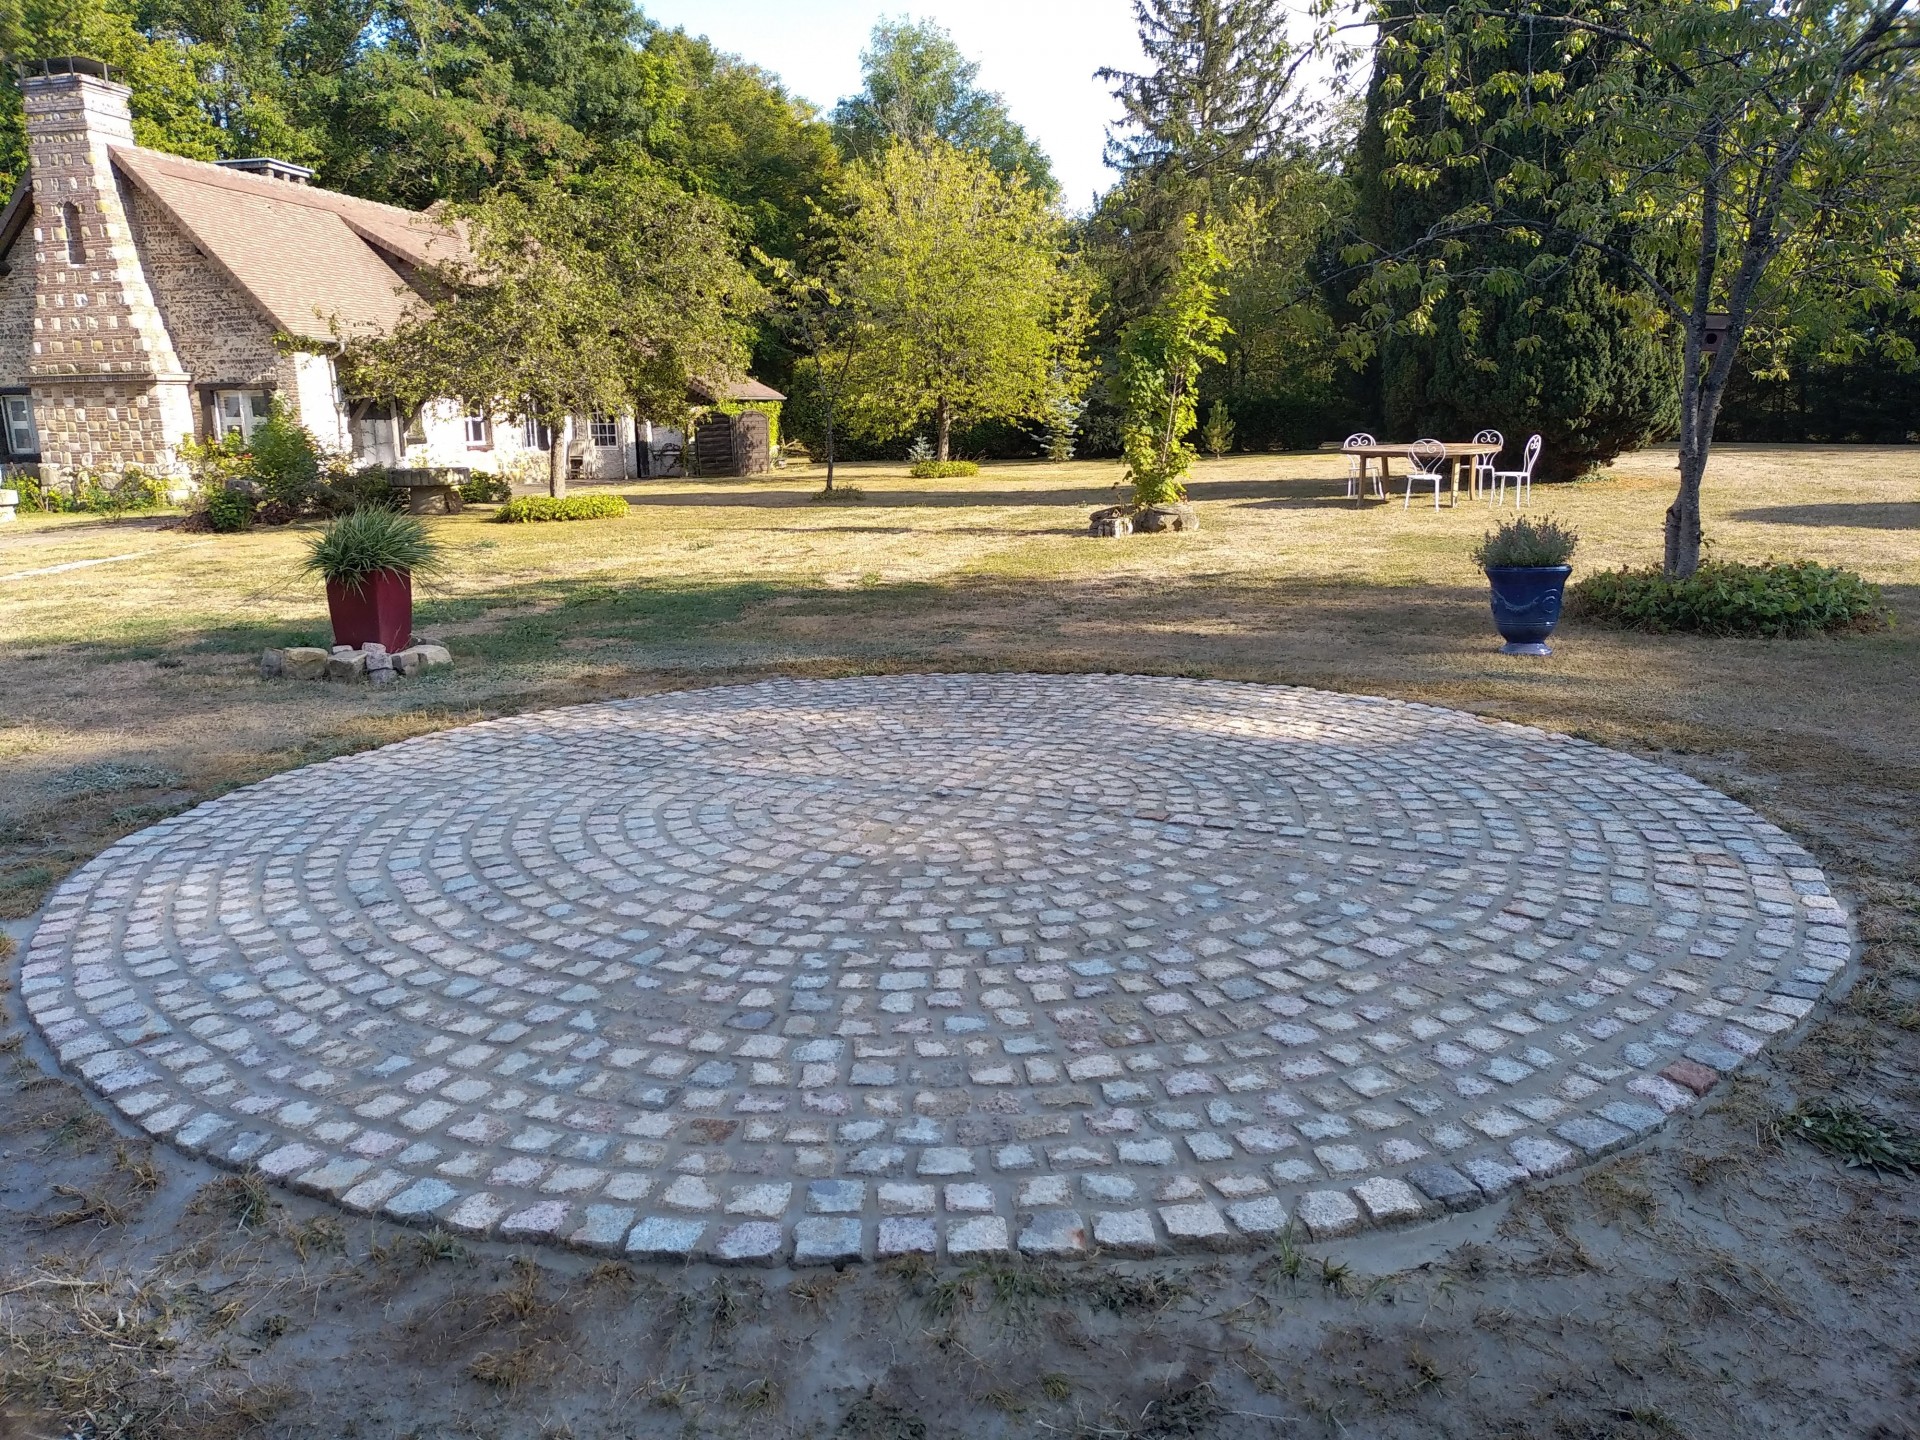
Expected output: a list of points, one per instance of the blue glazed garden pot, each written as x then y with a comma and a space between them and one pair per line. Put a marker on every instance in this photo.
1526, 605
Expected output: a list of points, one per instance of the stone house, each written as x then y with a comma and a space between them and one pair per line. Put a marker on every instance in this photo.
148, 300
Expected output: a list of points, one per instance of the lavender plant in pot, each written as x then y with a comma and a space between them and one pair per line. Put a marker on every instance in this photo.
1526, 565
369, 558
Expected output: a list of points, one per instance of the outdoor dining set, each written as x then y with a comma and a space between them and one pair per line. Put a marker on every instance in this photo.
1439, 462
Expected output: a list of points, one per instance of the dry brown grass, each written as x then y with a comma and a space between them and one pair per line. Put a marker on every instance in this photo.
142, 700
131, 691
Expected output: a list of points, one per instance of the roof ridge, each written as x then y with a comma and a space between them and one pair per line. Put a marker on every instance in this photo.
314, 197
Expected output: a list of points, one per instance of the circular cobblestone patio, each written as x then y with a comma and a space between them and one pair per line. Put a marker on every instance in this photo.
816, 971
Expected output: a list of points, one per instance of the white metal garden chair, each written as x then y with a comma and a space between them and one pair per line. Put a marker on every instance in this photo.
1522, 478
1426, 461
1357, 467
1483, 464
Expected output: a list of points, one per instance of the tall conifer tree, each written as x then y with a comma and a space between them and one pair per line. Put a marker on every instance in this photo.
1571, 350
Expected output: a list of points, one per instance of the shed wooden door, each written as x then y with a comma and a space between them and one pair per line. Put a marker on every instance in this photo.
713, 446
752, 449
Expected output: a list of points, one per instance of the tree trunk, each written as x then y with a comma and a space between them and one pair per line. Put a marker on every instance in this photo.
942, 429
1683, 516
829, 449
561, 433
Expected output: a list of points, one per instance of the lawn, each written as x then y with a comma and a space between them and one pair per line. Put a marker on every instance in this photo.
141, 668
130, 690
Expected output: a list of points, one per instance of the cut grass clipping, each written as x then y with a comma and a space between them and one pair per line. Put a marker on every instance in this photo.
566, 507
1856, 1138
1779, 598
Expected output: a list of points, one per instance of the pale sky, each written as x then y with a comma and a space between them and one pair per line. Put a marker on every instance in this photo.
1039, 54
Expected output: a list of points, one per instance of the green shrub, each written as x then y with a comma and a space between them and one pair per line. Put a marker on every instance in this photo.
566, 507
91, 492
215, 463
227, 508
1781, 597
483, 489
359, 543
286, 459
943, 469
1525, 542
1217, 434
32, 495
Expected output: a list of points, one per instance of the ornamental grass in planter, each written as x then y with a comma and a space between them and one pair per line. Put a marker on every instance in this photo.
368, 559
1526, 564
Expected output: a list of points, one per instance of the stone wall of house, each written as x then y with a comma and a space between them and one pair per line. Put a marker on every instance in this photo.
16, 312
221, 337
110, 424
108, 388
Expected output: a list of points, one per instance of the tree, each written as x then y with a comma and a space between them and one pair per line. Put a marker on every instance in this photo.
1215, 100
969, 304
166, 75
1572, 349
575, 300
1157, 384
920, 88
825, 331
1213, 109
1745, 162
732, 131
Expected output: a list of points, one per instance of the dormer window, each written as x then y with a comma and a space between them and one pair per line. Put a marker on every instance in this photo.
76, 242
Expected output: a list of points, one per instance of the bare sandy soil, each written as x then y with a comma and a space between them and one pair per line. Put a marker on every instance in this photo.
1723, 1278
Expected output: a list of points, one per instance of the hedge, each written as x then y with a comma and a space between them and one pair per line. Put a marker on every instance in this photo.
943, 469
566, 507
1781, 597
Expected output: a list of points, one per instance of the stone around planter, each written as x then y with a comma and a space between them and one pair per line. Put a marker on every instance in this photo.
1113, 522
1156, 518
303, 662
9, 503
416, 658
350, 666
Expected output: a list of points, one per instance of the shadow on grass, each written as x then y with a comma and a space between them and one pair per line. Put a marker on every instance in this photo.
1870, 515
1305, 628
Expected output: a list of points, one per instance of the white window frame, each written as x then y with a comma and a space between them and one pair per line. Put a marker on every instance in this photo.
250, 409
478, 426
607, 425
536, 436
19, 421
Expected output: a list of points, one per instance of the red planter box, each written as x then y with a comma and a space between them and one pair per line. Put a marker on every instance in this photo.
380, 611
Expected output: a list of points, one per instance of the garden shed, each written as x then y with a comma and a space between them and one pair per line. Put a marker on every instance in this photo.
736, 428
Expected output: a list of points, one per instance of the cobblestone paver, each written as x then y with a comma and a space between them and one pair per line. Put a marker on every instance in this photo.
959, 965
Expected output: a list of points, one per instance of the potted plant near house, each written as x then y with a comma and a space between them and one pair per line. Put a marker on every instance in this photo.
368, 558
1526, 565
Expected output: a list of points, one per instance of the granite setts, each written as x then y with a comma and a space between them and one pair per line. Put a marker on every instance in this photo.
809, 972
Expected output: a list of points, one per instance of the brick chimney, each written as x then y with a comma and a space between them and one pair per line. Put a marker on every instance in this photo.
107, 386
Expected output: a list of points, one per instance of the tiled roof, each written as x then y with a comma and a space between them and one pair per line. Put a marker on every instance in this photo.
707, 394
309, 258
